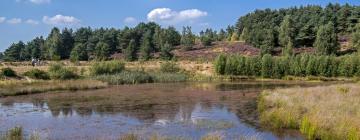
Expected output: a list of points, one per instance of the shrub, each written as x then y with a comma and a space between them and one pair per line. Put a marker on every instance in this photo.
58, 71
107, 67
8, 72
170, 67
37, 74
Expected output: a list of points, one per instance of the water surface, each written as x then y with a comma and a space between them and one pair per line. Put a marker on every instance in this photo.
186, 110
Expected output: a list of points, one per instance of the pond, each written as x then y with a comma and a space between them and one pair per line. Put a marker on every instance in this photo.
177, 110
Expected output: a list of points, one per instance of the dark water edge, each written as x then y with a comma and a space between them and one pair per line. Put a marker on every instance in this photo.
187, 110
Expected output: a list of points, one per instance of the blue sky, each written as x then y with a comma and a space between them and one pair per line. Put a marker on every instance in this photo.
26, 19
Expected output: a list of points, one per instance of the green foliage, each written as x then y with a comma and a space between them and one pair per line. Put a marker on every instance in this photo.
79, 53
165, 52
286, 35
169, 67
8, 72
187, 38
13, 53
326, 42
130, 52
37, 74
355, 38
266, 66
137, 77
220, 64
59, 72
107, 67
207, 37
280, 67
102, 51
146, 46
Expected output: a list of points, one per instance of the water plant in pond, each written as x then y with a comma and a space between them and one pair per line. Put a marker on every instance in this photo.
107, 67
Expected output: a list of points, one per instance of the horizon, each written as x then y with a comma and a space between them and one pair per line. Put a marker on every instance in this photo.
38, 17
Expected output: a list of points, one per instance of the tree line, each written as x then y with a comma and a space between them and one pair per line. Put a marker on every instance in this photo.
305, 26
268, 66
140, 42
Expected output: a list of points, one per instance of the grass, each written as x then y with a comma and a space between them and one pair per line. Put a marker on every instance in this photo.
107, 67
138, 77
37, 74
60, 72
17, 87
324, 112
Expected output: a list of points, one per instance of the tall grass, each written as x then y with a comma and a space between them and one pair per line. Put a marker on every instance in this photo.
328, 112
107, 67
15, 87
60, 72
138, 77
37, 74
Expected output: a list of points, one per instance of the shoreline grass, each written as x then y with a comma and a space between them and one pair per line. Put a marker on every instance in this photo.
324, 112
21, 87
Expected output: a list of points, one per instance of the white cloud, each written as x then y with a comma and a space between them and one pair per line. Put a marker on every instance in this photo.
169, 16
61, 20
32, 22
130, 20
14, 21
35, 1
2, 19
40, 1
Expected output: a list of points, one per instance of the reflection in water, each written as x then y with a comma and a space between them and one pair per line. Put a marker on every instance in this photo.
181, 109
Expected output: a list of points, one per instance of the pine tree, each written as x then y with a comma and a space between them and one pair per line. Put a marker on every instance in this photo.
266, 66
54, 44
13, 53
146, 46
79, 53
268, 43
102, 51
130, 51
326, 42
187, 38
165, 52
286, 35
355, 38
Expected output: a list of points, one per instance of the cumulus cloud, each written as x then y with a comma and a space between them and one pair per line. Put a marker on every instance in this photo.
32, 22
35, 1
130, 20
2, 19
168, 15
14, 21
61, 20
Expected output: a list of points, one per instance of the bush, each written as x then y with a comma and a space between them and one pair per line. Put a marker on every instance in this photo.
8, 72
169, 67
59, 72
107, 67
37, 74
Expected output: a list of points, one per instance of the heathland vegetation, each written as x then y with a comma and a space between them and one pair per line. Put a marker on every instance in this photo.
326, 113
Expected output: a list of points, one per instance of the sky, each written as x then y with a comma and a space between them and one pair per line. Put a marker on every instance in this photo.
26, 19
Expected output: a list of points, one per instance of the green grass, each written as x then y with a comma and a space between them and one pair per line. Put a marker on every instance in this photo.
138, 77
7, 72
37, 74
325, 112
60, 72
107, 67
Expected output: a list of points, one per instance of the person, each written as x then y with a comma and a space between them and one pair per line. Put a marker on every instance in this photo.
33, 62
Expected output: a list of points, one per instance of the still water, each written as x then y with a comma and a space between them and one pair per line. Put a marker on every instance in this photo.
177, 110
